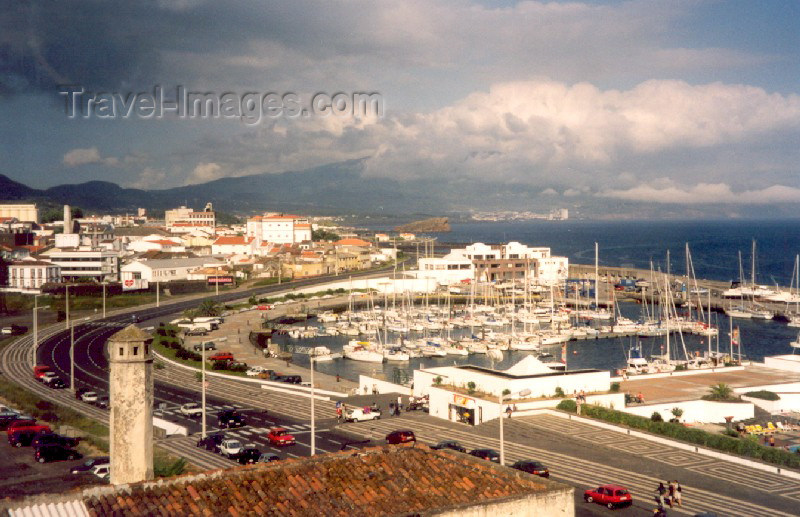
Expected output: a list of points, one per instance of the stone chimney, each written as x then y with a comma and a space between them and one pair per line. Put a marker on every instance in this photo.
131, 400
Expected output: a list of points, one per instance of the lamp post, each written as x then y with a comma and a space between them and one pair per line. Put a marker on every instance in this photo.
66, 305
36, 326
313, 426
104, 299
203, 390
72, 353
523, 393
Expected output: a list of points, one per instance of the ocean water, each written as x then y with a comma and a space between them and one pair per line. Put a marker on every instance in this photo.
714, 247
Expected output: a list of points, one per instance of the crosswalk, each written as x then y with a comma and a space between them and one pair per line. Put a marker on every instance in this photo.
578, 472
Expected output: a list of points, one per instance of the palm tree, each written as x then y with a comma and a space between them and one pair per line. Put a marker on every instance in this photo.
209, 308
721, 391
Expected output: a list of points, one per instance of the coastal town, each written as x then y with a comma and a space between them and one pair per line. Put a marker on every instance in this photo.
335, 298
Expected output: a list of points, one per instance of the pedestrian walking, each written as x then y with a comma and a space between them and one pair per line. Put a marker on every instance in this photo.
374, 389
339, 414
399, 402
671, 489
391, 408
772, 441
678, 495
509, 411
661, 492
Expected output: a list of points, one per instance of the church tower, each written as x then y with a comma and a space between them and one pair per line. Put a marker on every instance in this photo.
131, 400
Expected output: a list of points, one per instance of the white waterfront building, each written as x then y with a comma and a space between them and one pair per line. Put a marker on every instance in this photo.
491, 263
279, 228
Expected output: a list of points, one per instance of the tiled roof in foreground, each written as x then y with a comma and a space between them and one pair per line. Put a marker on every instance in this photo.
388, 480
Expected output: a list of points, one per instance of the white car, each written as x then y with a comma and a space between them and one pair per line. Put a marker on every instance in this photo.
255, 371
231, 448
359, 415
89, 396
191, 409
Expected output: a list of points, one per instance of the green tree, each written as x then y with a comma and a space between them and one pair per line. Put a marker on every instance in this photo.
324, 235
209, 308
471, 387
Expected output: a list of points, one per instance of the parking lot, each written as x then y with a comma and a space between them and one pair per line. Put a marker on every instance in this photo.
21, 475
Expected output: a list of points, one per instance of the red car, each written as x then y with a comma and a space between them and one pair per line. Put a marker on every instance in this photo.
612, 496
398, 437
221, 356
26, 425
278, 436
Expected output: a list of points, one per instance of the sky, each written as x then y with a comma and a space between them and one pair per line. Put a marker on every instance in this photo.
665, 101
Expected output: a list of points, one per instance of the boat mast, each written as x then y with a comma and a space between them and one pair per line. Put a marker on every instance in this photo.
596, 277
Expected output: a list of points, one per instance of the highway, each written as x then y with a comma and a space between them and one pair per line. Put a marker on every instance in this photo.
576, 453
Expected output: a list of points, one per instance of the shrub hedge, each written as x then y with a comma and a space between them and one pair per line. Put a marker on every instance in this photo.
763, 394
747, 446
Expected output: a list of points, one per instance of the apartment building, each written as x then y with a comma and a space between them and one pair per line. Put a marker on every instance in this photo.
184, 219
279, 228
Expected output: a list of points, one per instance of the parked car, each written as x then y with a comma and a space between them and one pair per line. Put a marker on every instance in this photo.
89, 396
250, 454
255, 371
398, 437
196, 331
228, 418
612, 496
361, 415
268, 457
532, 467
22, 438
221, 356
211, 442
50, 438
486, 454
191, 409
449, 444
103, 402
27, 424
231, 448
88, 465
278, 437
208, 345
47, 453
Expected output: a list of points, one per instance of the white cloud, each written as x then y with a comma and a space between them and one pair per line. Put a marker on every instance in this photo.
205, 172
149, 178
706, 193
90, 155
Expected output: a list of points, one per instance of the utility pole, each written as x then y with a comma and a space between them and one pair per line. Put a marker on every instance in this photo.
104, 300
313, 423
67, 306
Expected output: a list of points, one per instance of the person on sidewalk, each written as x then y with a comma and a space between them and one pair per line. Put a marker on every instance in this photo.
509, 411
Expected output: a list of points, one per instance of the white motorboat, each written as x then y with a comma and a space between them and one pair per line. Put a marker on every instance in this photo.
362, 351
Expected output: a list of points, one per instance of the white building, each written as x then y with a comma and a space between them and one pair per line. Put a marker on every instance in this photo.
183, 219
156, 243
166, 270
20, 212
279, 228
483, 262
239, 245
30, 275
530, 383
96, 264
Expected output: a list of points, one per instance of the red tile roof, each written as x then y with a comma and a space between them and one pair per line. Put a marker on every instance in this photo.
388, 480
164, 242
233, 241
352, 242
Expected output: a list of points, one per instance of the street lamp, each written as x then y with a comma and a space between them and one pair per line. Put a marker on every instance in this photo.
72, 353
523, 393
313, 426
203, 390
104, 299
66, 304
36, 326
